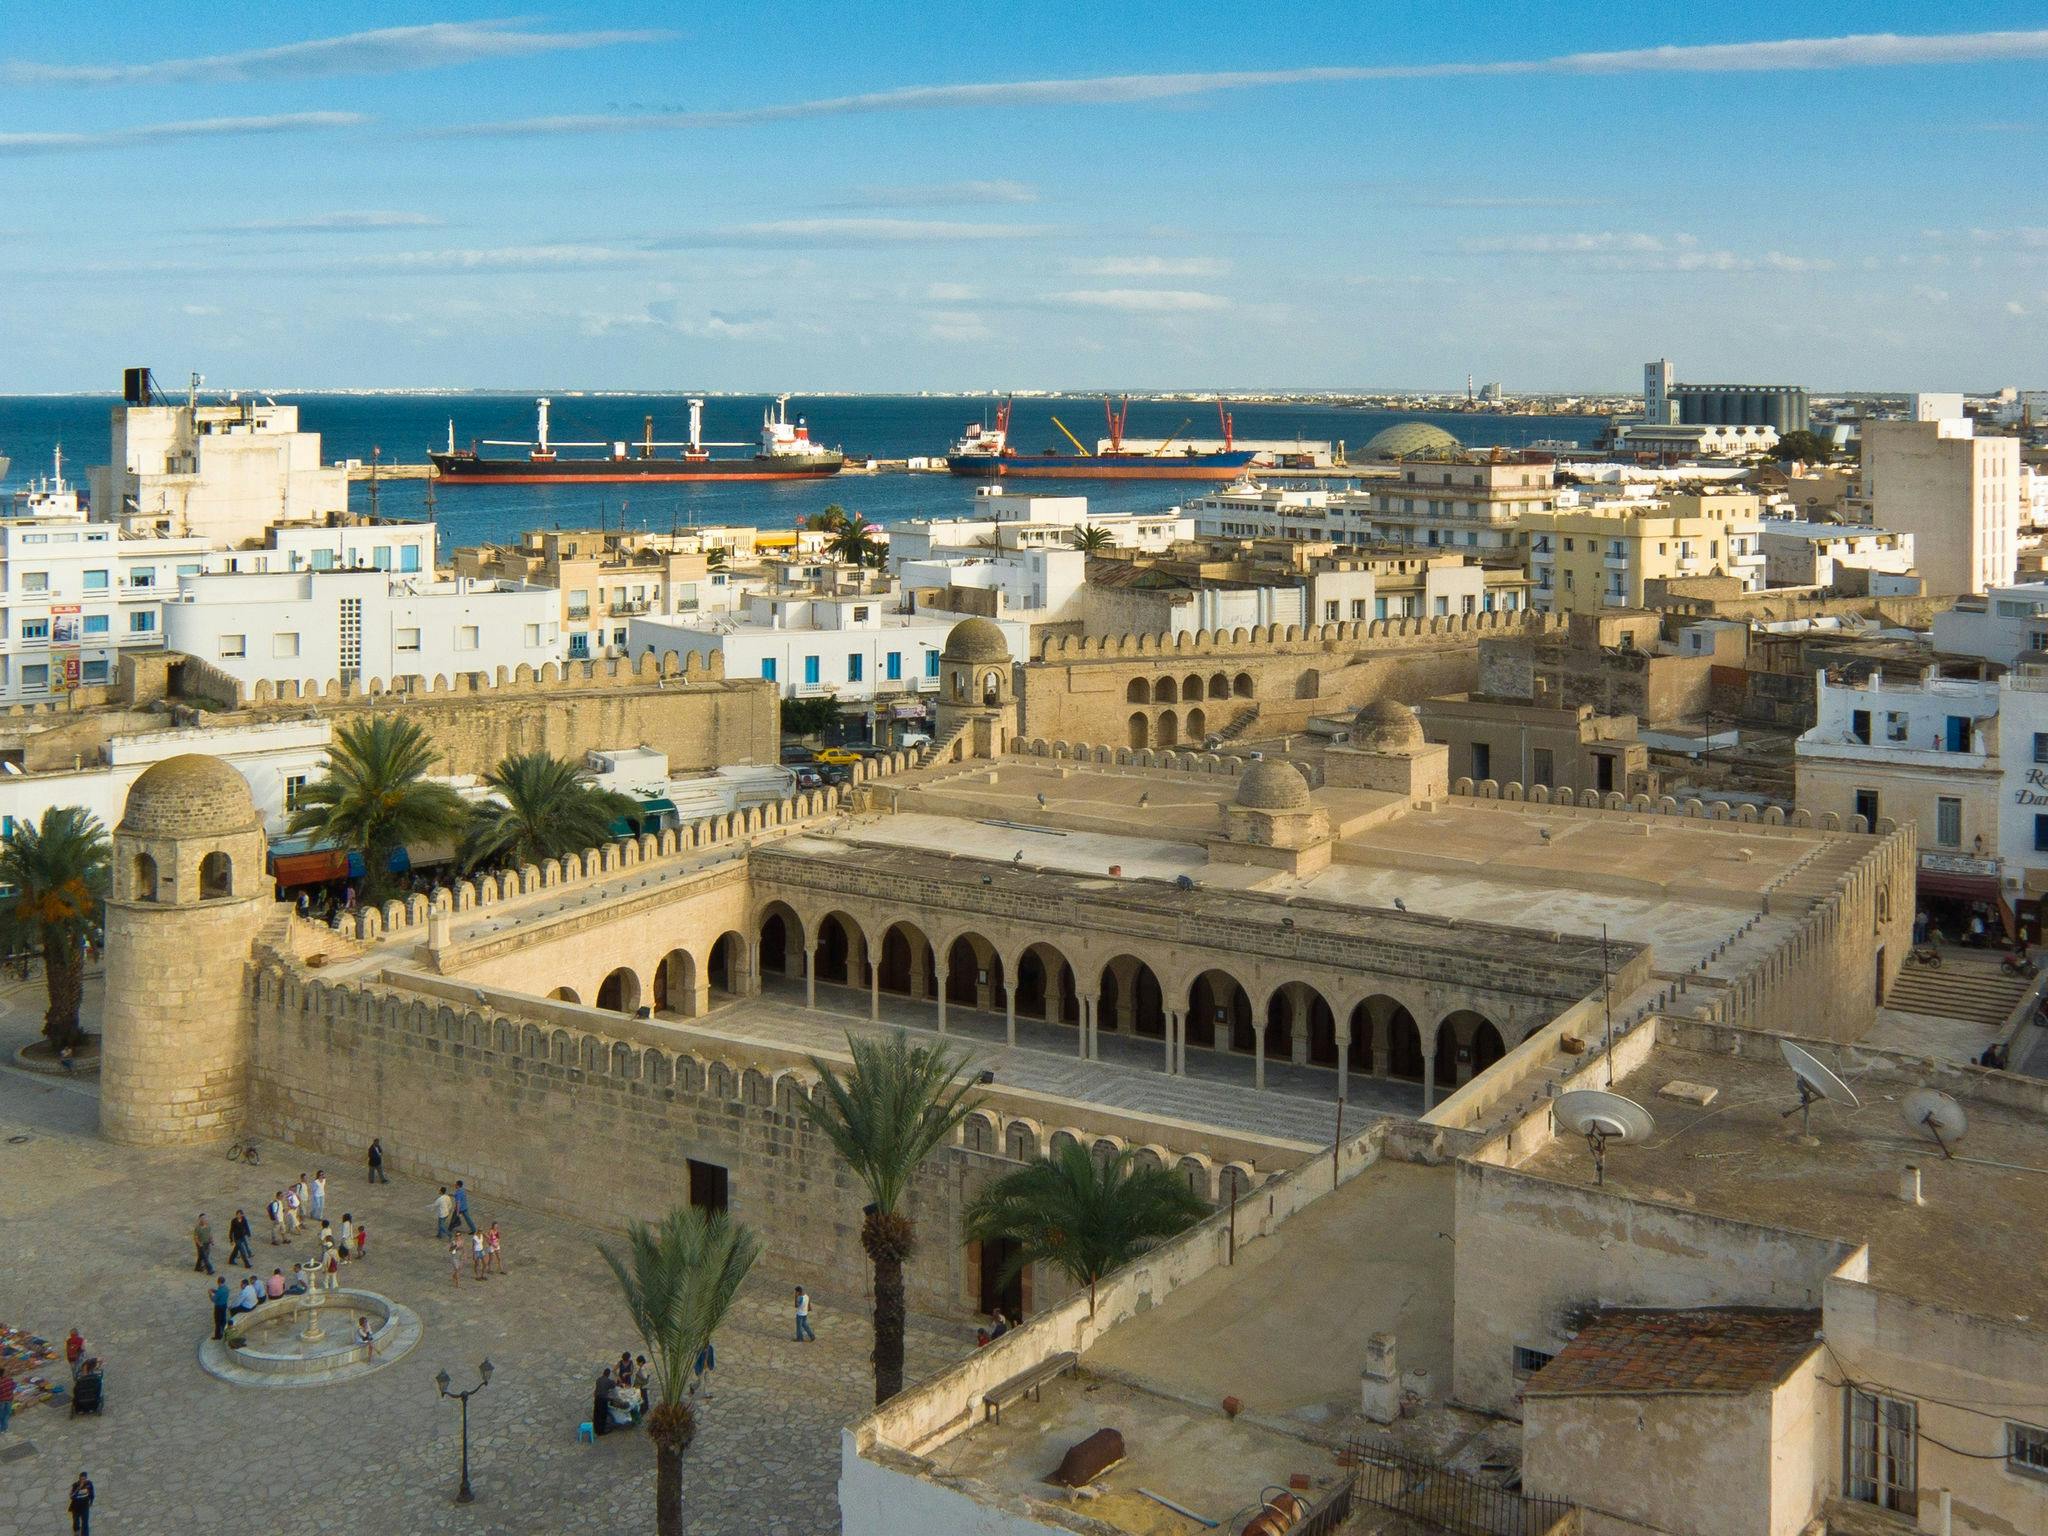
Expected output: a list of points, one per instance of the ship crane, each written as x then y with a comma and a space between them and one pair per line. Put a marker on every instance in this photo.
1185, 424
1071, 438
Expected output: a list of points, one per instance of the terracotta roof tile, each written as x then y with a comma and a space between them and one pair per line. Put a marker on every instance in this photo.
1707, 1349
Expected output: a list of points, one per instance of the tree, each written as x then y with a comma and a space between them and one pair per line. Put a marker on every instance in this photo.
831, 520
808, 717
546, 807
898, 1105
855, 542
1083, 1218
376, 796
55, 873
1807, 447
679, 1280
1091, 540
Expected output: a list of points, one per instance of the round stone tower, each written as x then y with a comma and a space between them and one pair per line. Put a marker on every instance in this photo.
189, 893
976, 683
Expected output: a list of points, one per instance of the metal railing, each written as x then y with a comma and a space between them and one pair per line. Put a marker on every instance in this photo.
1455, 1502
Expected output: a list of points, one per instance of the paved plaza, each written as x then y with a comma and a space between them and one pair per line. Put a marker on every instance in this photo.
96, 1236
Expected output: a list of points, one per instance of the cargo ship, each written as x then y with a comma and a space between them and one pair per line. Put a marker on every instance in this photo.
985, 453
784, 452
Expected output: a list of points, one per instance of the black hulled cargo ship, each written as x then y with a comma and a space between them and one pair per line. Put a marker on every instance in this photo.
784, 452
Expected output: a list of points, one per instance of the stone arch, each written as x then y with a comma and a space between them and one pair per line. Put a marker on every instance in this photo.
1316, 1020
1166, 691
145, 877
619, 992
1021, 1140
1139, 732
978, 1132
1487, 1046
216, 876
675, 984
1241, 686
1219, 685
726, 970
1219, 1014
1046, 987
1404, 1047
1138, 691
907, 964
974, 973
1168, 729
1132, 1001
842, 951
1200, 1175
779, 933
1191, 689
1059, 1141
565, 995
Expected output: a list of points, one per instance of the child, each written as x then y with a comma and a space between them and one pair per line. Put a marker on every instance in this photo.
455, 1262
366, 1339
362, 1238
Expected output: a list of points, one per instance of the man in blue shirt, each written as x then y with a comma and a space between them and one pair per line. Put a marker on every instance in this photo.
462, 1205
220, 1305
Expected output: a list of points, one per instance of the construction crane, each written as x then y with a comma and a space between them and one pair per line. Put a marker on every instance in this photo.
1071, 438
1190, 421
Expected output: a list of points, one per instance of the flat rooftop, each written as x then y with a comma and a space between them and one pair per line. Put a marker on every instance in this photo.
1973, 1245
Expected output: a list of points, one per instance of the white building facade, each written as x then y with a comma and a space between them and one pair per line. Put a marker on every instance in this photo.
1956, 494
1999, 627
1012, 522
1802, 554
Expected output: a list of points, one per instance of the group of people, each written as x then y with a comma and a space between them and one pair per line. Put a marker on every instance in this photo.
621, 1398
293, 1211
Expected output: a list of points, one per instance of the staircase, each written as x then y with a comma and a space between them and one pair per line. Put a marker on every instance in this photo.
940, 746
1971, 989
1240, 722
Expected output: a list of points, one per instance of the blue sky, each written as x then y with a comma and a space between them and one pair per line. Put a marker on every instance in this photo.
881, 196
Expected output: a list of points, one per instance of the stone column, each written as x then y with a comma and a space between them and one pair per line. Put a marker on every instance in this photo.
874, 992
1299, 1017
1259, 1050
944, 969
1172, 1029
1428, 1081
1343, 1065
811, 975
1009, 1011
1382, 1043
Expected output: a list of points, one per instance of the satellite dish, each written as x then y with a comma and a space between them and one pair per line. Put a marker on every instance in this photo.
1817, 1081
1602, 1117
1929, 1109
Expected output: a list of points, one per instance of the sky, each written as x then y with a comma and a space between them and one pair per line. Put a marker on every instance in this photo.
890, 197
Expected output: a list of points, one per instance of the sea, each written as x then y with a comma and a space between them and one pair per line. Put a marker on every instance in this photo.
405, 425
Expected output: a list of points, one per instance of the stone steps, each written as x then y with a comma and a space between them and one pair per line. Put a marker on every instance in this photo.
1982, 997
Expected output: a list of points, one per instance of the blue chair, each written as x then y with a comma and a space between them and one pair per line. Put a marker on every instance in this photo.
586, 1432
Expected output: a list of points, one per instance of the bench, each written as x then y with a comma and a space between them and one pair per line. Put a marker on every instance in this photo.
1026, 1382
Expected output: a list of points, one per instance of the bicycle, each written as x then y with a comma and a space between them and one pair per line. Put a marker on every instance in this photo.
244, 1152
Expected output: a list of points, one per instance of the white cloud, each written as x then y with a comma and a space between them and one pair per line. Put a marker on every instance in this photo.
776, 233
161, 133
956, 327
353, 221
386, 51
951, 293
1929, 295
1141, 301
1630, 251
942, 194
509, 258
2015, 307
2028, 238
1149, 266
1870, 51
198, 309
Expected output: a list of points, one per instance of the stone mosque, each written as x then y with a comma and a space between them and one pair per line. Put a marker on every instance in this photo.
1216, 960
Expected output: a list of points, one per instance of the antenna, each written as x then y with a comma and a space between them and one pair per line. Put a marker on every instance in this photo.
1817, 1081
1601, 1117
1930, 1109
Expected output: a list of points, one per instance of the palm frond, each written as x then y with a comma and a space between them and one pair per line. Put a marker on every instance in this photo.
679, 1277
898, 1105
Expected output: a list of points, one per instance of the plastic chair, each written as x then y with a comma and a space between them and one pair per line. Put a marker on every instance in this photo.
586, 1432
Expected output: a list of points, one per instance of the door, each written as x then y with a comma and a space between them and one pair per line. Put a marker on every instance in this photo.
1603, 772
708, 1187
1866, 807
1482, 762
995, 1290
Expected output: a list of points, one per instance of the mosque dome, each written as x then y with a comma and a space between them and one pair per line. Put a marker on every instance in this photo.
1385, 726
975, 640
1272, 785
189, 796
1412, 440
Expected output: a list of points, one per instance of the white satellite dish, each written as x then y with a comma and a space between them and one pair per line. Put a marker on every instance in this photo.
1929, 1109
1817, 1081
1602, 1117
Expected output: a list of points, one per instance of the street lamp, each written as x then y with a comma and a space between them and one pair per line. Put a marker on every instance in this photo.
441, 1381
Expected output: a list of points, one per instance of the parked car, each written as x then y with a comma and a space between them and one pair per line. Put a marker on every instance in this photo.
791, 756
912, 740
843, 757
809, 778
837, 773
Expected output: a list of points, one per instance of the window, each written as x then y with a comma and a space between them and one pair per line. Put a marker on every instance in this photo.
409, 558
892, 666
406, 640
191, 569
1529, 1361
811, 671
94, 671
579, 605
1859, 725
1948, 822
931, 663
1542, 766
467, 637
294, 791
531, 636
380, 558
36, 678
1331, 611
619, 638
96, 624
35, 581
1357, 608
1894, 725
142, 623
768, 668
234, 645
2026, 1450
284, 645
95, 581
855, 665
2041, 746
142, 578
35, 629
1880, 1452
860, 615
579, 646
323, 559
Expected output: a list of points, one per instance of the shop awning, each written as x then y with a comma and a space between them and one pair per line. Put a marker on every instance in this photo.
293, 869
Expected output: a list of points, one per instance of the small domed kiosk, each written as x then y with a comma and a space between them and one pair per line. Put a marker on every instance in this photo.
976, 689
1388, 752
189, 893
1273, 820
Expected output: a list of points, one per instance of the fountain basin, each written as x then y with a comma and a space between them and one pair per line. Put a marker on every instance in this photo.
273, 1350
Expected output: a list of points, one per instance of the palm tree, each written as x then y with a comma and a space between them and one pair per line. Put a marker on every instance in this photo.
831, 520
545, 807
377, 797
1091, 540
855, 542
898, 1105
55, 873
679, 1280
1082, 1217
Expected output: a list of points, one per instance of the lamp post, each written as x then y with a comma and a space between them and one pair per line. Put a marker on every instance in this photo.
441, 1381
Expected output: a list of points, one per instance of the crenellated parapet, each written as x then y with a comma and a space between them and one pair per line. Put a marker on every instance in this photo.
1267, 640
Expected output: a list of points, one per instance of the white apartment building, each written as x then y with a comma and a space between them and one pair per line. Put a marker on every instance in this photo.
1465, 507
403, 549
1007, 521
1250, 510
1695, 440
1956, 494
2000, 627
860, 648
360, 626
1802, 554
218, 471
1041, 585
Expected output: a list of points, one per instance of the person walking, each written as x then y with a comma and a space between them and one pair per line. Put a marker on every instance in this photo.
304, 1190
348, 1234
202, 1244
330, 1269
462, 1207
477, 1255
700, 1371
803, 1317
293, 1202
219, 1296
444, 1213
455, 1262
362, 1241
377, 1173
81, 1506
319, 1194
492, 1242
239, 1256
275, 1211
